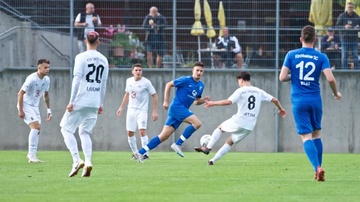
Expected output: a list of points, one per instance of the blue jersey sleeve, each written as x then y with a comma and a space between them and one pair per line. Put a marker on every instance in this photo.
181, 81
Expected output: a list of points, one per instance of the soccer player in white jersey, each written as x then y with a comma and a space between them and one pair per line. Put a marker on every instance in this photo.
137, 91
88, 90
35, 85
248, 99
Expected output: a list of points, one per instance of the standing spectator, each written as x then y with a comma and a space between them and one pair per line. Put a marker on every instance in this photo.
137, 91
348, 23
35, 85
233, 50
303, 68
88, 90
154, 25
330, 44
188, 91
248, 99
86, 22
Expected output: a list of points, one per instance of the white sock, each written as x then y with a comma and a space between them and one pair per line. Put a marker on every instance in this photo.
144, 142
214, 138
86, 145
132, 143
222, 151
33, 141
71, 144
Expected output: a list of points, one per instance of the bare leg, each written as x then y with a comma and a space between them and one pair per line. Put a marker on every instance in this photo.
149, 58
158, 61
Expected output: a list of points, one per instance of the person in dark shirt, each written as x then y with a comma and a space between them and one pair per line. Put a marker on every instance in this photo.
232, 47
154, 25
348, 23
330, 45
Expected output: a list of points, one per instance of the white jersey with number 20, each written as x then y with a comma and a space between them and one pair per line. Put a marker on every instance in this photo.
93, 69
248, 99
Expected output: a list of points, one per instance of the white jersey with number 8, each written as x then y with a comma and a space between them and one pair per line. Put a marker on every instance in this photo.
248, 99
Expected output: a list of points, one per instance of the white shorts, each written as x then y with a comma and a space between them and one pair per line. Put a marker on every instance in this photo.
238, 133
32, 114
136, 119
83, 117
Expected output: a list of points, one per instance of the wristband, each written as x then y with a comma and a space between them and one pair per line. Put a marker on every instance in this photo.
49, 111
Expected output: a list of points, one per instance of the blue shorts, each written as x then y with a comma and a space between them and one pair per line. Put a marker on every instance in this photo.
307, 116
177, 116
157, 46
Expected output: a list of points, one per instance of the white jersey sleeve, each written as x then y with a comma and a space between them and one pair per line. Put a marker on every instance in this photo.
77, 19
265, 96
150, 87
91, 69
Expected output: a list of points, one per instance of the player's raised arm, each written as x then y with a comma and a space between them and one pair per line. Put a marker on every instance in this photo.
217, 103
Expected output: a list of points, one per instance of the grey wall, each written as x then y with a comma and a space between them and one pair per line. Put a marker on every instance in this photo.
339, 117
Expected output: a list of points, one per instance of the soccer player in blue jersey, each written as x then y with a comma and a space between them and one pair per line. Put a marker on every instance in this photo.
188, 91
303, 68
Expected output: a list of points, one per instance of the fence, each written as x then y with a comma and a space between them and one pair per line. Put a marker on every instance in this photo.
266, 29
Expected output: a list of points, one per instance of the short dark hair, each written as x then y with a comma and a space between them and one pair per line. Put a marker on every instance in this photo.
308, 34
244, 76
199, 63
40, 61
136, 65
92, 37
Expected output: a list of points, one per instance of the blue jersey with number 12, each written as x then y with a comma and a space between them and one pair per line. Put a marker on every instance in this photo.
305, 65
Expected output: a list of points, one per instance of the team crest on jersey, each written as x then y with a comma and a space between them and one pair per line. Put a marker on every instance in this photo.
194, 93
133, 94
200, 87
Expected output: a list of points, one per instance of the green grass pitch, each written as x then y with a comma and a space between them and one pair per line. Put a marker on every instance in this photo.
167, 177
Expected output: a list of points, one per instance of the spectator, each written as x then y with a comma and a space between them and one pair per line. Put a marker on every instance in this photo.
154, 25
348, 23
231, 44
330, 45
86, 22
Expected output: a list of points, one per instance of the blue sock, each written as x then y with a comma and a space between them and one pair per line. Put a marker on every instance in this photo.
311, 152
186, 134
319, 147
154, 142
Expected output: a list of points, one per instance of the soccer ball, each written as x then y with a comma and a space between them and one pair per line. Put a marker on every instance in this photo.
204, 140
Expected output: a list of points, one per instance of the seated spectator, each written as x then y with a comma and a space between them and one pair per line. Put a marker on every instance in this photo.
330, 46
233, 50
